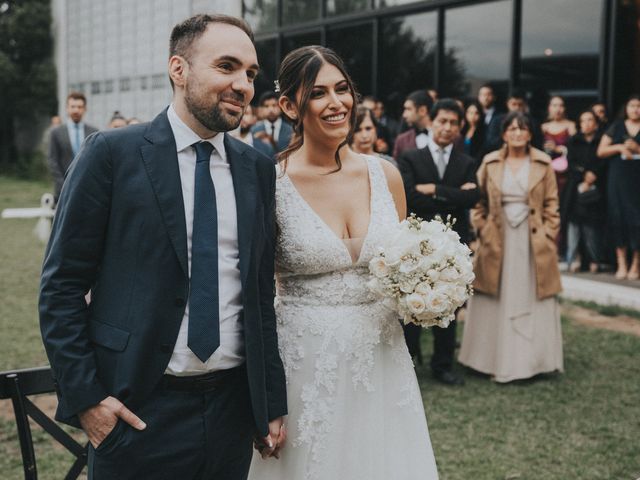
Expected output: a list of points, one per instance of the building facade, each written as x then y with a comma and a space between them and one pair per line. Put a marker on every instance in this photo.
586, 50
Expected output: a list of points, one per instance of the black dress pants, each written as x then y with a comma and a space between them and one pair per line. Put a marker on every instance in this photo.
203, 433
444, 345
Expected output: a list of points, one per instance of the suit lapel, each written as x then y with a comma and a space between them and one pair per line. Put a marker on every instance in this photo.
244, 176
451, 167
430, 166
161, 162
66, 141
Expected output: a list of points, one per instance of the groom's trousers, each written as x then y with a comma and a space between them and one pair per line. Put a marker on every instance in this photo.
197, 428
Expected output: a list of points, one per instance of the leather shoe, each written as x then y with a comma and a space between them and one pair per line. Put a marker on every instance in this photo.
448, 378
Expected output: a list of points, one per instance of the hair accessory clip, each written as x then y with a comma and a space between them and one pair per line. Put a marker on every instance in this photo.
276, 86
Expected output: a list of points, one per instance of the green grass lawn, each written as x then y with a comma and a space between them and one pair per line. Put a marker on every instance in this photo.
584, 424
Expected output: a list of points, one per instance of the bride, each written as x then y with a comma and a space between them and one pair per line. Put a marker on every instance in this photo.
355, 410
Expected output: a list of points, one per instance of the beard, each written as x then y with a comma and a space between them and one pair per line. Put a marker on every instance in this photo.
210, 115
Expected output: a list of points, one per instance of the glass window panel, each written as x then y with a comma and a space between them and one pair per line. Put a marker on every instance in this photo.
340, 7
295, 41
391, 3
261, 14
354, 45
475, 55
406, 57
560, 51
266, 50
295, 11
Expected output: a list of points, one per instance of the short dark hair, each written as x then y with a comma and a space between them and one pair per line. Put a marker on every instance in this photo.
77, 96
448, 105
487, 85
188, 31
421, 98
268, 95
517, 93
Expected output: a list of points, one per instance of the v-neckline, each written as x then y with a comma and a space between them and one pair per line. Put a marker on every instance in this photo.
326, 226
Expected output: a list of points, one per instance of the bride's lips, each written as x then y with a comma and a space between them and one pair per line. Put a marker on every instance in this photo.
335, 118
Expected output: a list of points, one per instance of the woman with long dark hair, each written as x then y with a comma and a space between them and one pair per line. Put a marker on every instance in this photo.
473, 131
349, 374
365, 134
512, 327
621, 145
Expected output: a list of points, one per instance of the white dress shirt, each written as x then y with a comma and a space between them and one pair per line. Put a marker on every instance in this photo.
422, 139
230, 353
488, 115
434, 148
273, 129
71, 130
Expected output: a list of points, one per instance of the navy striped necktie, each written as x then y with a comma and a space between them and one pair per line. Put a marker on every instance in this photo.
204, 303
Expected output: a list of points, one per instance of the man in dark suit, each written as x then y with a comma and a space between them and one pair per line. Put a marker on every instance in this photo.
66, 139
416, 111
277, 130
439, 180
259, 142
173, 367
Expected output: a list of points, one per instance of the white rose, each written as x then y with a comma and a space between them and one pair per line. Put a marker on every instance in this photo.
437, 302
423, 288
415, 303
378, 267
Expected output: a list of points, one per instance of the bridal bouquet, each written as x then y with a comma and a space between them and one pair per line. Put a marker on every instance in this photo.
423, 272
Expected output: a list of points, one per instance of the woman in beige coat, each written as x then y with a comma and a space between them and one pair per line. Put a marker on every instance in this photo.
512, 330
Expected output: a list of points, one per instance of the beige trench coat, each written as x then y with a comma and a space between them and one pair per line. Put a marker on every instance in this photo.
544, 224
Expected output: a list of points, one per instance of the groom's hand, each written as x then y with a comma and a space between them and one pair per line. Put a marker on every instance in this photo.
271, 445
98, 421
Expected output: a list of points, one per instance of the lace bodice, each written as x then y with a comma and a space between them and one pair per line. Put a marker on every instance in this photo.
312, 263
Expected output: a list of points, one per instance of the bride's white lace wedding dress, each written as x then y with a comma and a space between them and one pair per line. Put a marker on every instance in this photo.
355, 410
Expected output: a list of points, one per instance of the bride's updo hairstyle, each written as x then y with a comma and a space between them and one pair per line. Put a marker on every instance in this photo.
297, 75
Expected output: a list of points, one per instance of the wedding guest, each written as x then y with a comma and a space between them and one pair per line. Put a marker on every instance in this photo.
66, 139
487, 98
260, 141
516, 102
512, 327
278, 130
433, 93
365, 134
392, 126
440, 180
384, 140
416, 115
621, 145
600, 109
556, 132
473, 131
582, 206
133, 121
117, 120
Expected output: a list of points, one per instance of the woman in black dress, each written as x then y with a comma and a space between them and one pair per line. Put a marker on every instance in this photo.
621, 145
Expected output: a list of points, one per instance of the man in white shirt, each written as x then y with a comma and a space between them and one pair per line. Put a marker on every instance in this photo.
173, 369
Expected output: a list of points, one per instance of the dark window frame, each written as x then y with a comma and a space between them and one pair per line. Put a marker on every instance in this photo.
605, 85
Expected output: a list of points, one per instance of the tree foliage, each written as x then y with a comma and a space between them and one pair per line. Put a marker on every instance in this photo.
27, 72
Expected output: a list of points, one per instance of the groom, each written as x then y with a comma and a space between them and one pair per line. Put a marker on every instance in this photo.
173, 367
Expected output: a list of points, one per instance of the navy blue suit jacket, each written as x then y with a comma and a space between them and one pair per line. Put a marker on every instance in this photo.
120, 232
